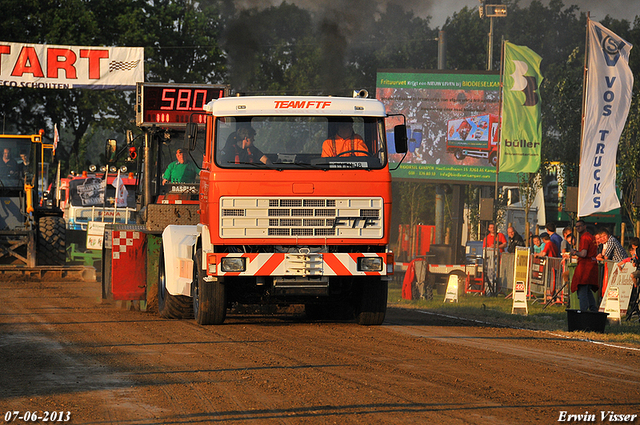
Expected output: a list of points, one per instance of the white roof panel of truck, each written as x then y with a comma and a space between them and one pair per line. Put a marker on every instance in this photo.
295, 105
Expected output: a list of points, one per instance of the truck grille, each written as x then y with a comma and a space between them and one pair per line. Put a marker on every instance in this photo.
301, 217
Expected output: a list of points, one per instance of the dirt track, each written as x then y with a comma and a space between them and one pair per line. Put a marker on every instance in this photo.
61, 349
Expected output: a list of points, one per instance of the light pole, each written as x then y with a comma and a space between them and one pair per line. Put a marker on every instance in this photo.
491, 11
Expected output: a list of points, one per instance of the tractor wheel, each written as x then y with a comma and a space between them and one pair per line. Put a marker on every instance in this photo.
373, 302
209, 298
51, 245
171, 306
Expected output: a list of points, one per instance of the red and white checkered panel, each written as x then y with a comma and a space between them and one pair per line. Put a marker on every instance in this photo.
128, 265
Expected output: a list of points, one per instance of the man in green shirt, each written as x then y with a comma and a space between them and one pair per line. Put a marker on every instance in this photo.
180, 171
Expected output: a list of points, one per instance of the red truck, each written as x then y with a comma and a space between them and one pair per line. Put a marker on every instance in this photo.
299, 228
475, 136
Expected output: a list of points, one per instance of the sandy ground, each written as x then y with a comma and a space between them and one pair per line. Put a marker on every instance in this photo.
64, 350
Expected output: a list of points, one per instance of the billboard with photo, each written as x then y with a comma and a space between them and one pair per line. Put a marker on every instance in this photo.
453, 122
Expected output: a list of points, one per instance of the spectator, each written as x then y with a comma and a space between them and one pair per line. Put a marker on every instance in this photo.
612, 250
599, 245
633, 297
549, 249
633, 259
537, 244
565, 246
585, 277
514, 239
489, 240
555, 238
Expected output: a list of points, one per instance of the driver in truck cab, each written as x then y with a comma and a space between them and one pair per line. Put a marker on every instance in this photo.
8, 166
345, 142
180, 171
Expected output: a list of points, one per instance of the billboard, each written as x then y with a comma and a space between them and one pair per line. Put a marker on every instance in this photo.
48, 66
453, 122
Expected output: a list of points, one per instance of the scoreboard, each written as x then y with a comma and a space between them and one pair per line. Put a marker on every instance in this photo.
171, 105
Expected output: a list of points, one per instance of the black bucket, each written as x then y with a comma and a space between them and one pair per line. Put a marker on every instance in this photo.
588, 321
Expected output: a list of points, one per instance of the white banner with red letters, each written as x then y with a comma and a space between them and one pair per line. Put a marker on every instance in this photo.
609, 84
49, 66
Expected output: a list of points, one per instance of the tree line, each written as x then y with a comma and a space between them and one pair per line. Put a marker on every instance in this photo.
286, 49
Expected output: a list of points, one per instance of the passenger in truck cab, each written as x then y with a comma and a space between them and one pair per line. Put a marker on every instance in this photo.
180, 171
345, 142
24, 165
240, 149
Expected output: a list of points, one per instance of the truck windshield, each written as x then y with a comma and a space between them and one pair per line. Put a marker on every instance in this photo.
306, 142
15, 162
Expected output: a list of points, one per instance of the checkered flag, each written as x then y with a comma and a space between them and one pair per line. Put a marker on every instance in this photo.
122, 66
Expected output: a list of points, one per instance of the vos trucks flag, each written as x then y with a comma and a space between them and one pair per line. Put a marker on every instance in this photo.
521, 126
608, 97
47, 66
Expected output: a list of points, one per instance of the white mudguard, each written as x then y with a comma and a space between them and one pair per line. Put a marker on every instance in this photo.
178, 246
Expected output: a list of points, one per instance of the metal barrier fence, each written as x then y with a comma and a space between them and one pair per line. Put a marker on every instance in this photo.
545, 275
547, 278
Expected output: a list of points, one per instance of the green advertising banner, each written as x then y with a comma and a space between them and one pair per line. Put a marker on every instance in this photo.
453, 122
521, 124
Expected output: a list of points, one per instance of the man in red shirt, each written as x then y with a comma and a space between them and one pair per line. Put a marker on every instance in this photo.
489, 240
585, 277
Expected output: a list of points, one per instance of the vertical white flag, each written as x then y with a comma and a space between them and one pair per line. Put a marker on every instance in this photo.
609, 84
121, 191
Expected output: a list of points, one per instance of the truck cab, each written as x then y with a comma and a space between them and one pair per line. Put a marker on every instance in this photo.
295, 215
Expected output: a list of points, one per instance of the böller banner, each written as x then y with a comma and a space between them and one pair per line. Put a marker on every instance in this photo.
65, 67
608, 97
521, 136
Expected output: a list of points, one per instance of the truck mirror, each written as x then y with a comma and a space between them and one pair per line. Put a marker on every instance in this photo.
129, 137
190, 136
400, 137
110, 150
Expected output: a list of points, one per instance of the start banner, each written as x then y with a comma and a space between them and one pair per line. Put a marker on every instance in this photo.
65, 67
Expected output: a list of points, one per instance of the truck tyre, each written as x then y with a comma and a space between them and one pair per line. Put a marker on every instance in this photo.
209, 298
459, 155
373, 302
51, 245
171, 306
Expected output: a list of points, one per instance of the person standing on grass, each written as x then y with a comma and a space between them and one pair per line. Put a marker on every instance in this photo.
585, 277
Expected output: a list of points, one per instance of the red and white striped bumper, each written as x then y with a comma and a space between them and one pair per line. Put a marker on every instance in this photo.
311, 264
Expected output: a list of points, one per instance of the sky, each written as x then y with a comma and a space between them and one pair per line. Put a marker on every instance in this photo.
439, 10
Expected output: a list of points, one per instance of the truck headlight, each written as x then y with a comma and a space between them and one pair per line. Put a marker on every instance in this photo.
370, 264
233, 264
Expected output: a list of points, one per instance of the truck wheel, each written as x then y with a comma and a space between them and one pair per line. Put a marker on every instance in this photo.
171, 306
209, 298
51, 243
459, 155
373, 302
